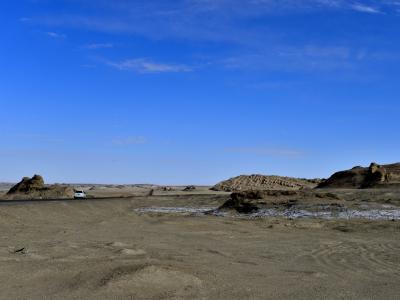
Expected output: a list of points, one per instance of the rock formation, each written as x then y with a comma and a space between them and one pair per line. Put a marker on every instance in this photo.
358, 177
252, 201
35, 188
27, 185
189, 188
262, 182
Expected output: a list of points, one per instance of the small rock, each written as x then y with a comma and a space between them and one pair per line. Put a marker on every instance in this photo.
20, 250
189, 188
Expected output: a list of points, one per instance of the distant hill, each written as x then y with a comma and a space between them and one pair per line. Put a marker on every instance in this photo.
5, 186
264, 182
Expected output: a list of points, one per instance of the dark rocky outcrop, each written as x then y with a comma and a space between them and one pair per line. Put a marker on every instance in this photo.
189, 188
243, 202
358, 177
247, 202
166, 188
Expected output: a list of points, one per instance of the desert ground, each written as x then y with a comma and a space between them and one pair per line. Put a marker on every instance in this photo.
113, 249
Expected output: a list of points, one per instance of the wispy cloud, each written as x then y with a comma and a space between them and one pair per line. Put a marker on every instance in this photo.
365, 8
302, 58
130, 140
267, 151
272, 47
95, 46
39, 137
24, 19
142, 65
185, 19
55, 35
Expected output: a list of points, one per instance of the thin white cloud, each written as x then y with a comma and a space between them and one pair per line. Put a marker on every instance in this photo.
219, 21
267, 151
314, 51
365, 9
95, 46
130, 140
185, 19
88, 66
142, 65
308, 58
24, 19
55, 35
43, 138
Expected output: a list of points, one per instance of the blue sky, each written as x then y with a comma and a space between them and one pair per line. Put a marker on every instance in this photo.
195, 91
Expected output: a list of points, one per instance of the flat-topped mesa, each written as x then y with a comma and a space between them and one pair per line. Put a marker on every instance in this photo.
374, 176
263, 182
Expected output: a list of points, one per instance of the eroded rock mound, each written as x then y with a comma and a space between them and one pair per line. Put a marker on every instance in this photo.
166, 188
189, 188
263, 182
35, 188
248, 202
244, 202
358, 177
27, 185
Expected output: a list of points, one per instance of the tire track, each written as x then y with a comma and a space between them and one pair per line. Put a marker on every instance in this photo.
352, 257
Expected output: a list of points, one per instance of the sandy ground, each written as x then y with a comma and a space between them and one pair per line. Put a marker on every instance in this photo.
105, 250
140, 190
117, 191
